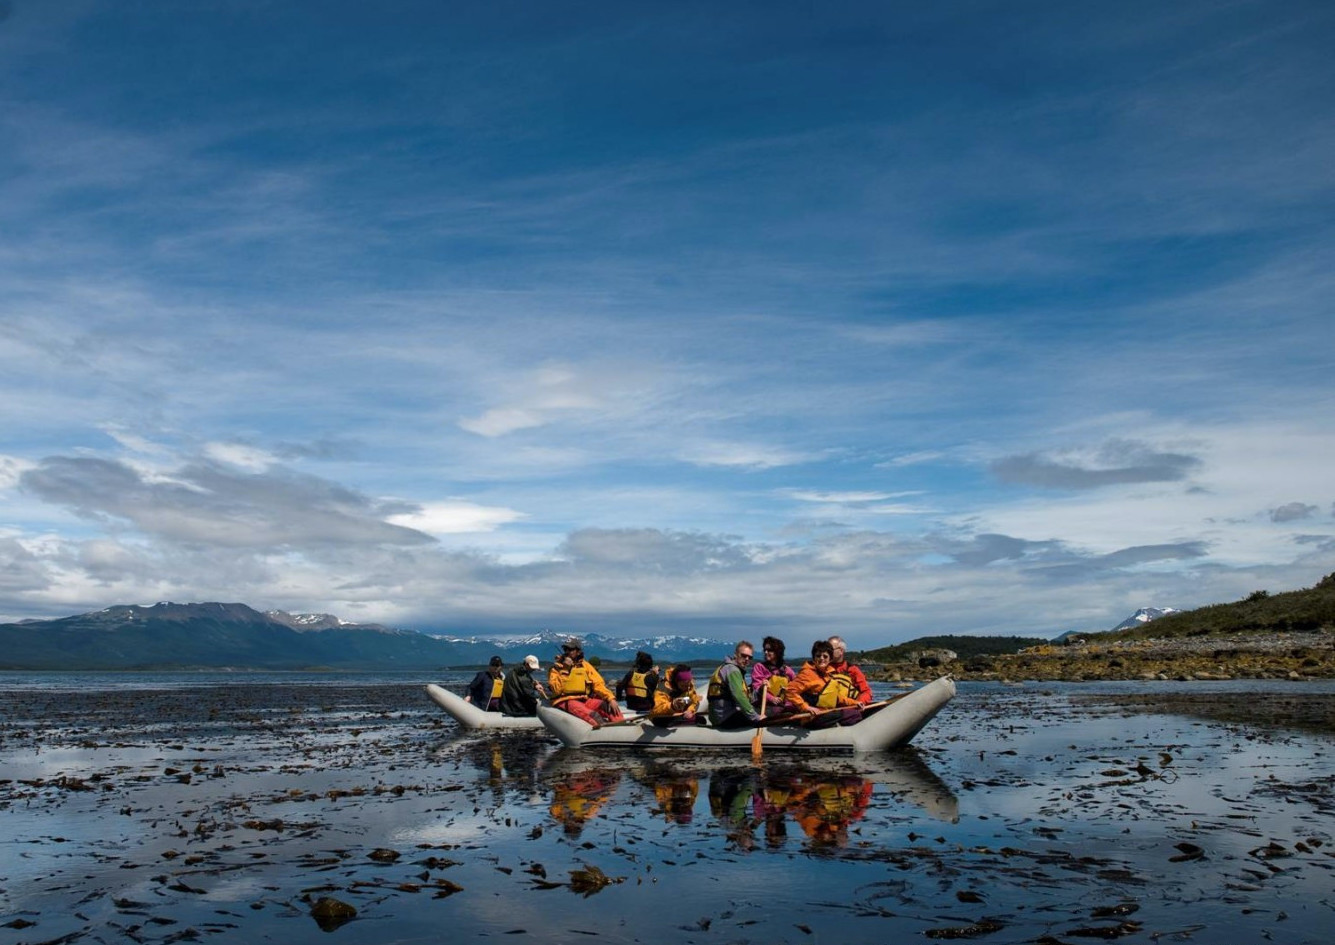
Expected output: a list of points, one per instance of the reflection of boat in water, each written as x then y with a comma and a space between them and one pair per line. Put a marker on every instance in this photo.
822, 793
890, 726
471, 717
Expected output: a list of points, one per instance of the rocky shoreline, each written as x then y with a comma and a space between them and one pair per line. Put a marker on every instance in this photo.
1294, 656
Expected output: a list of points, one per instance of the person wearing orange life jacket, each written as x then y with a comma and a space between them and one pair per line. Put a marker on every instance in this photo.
578, 688
485, 689
637, 686
825, 692
838, 664
676, 702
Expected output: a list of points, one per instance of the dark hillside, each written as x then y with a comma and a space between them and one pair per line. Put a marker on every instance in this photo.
1303, 611
964, 646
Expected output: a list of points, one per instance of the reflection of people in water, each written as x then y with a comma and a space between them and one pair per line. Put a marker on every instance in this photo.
826, 808
504, 764
676, 798
578, 797
730, 794
823, 805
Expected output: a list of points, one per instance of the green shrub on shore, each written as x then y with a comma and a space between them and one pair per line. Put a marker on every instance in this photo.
1301, 611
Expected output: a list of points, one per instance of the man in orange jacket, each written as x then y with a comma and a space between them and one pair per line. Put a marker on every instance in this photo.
838, 664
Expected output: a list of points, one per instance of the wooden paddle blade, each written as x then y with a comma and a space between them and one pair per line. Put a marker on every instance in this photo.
756, 749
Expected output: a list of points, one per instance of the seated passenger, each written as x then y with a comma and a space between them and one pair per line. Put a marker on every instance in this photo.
519, 694
579, 689
485, 689
861, 688
729, 702
826, 694
676, 702
771, 676
637, 687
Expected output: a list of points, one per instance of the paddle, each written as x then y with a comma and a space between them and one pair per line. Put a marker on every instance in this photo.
756, 749
632, 720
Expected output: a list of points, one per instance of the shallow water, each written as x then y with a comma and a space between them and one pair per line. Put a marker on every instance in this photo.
190, 807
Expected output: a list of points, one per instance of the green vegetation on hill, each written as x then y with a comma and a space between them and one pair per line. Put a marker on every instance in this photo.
1306, 610
964, 646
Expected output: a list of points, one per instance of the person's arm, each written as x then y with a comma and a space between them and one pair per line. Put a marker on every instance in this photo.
598, 685
860, 681
622, 683
662, 704
804, 682
760, 675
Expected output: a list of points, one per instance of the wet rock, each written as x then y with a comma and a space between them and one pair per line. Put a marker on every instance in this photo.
330, 913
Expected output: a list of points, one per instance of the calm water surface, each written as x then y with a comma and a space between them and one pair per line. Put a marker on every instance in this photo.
196, 806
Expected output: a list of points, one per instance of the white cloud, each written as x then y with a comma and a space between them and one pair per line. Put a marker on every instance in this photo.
845, 498
455, 518
745, 455
11, 468
240, 455
543, 396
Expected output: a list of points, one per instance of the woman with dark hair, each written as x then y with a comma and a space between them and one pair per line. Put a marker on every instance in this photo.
637, 687
826, 694
770, 678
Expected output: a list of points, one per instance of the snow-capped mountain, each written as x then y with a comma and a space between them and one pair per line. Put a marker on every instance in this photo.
300, 622
1144, 616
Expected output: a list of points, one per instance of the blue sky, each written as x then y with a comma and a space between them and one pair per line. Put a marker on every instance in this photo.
736, 318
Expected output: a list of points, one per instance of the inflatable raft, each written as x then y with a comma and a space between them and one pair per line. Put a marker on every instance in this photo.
892, 724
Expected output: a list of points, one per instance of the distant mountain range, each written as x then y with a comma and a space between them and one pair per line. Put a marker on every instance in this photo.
235, 636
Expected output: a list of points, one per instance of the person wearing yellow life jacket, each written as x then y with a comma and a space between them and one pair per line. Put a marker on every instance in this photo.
637, 687
861, 688
771, 677
729, 702
578, 688
676, 702
485, 689
824, 691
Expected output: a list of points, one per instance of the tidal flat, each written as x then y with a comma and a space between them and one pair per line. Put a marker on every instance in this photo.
322, 808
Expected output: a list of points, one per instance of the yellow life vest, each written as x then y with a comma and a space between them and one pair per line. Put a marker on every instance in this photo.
776, 685
838, 685
638, 687
497, 685
574, 684
715, 690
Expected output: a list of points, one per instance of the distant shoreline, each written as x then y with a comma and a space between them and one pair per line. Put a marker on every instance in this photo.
1291, 656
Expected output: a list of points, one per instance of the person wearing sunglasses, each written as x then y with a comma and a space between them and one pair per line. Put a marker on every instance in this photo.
729, 702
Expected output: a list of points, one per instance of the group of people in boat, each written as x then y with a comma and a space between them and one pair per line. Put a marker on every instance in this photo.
743, 692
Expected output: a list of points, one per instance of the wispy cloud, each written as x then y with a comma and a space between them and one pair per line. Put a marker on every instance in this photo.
1293, 512
1118, 462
